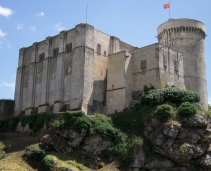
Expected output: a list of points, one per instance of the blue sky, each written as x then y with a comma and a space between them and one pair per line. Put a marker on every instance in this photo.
23, 22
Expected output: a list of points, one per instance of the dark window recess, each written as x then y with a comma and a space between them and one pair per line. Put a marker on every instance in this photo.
55, 52
143, 64
99, 49
41, 57
69, 47
112, 86
104, 53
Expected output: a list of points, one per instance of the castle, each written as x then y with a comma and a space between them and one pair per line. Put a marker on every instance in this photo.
86, 69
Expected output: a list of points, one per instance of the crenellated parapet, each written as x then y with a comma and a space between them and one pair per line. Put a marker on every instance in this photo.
182, 29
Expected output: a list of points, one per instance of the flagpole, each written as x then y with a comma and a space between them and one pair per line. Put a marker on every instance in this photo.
169, 9
86, 13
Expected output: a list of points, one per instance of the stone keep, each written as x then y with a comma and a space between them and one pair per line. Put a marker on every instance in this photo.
86, 69
187, 36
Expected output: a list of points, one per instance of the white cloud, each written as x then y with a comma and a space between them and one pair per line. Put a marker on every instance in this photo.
4, 43
6, 84
32, 28
41, 14
2, 34
19, 26
5, 11
59, 27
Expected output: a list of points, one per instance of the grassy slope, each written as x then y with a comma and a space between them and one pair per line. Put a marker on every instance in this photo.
14, 145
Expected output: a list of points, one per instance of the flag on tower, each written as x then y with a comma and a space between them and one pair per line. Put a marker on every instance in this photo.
167, 5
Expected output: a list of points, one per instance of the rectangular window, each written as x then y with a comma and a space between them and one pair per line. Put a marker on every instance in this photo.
98, 48
55, 52
41, 57
69, 47
143, 64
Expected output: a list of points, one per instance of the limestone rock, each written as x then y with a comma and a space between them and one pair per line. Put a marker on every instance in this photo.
198, 105
198, 120
95, 144
206, 161
160, 164
171, 130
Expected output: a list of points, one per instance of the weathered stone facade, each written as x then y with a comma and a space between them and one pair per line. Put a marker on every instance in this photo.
86, 69
6, 109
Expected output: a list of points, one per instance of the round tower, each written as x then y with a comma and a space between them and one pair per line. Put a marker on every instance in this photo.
187, 36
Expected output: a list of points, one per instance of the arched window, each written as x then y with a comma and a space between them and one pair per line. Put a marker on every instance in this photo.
98, 48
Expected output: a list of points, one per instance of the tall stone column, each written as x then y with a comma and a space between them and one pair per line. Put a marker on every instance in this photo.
187, 36
19, 84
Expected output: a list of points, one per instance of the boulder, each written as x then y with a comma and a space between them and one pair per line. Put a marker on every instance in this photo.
198, 120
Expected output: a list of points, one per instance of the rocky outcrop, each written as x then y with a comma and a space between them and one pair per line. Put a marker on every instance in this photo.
180, 144
68, 140
184, 142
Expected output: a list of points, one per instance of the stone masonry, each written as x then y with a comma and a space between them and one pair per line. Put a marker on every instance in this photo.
86, 69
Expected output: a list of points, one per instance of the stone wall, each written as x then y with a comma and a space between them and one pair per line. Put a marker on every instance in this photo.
6, 109
119, 82
73, 79
164, 66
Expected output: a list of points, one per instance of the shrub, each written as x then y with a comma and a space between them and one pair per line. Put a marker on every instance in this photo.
49, 162
187, 109
137, 106
82, 123
130, 122
175, 95
147, 89
2, 154
137, 141
36, 121
71, 117
58, 123
34, 153
164, 112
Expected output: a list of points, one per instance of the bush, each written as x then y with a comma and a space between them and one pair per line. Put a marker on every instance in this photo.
36, 121
34, 153
164, 112
49, 162
131, 122
187, 109
82, 123
147, 89
2, 154
174, 95
58, 123
71, 117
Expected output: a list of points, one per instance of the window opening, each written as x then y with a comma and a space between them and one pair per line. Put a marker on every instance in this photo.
41, 57
99, 49
55, 52
143, 64
69, 47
